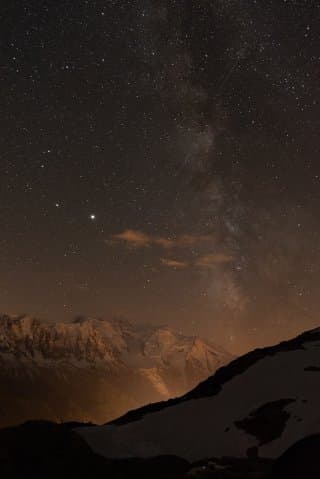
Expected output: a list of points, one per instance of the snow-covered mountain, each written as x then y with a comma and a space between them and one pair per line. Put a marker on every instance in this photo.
267, 399
94, 369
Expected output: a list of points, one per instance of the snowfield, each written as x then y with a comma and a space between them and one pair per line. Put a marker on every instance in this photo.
269, 398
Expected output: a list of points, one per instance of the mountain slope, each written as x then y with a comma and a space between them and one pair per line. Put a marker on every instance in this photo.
94, 370
267, 399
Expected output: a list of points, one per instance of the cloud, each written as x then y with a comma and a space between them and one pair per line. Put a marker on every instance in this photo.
139, 239
164, 242
173, 263
205, 261
211, 259
133, 238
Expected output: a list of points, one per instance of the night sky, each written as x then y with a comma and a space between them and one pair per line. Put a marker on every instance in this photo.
160, 162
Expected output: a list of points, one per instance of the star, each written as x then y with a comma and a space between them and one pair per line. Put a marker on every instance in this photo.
92, 217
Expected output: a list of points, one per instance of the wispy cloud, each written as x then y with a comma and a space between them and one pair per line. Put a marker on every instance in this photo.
139, 239
133, 238
174, 263
205, 261
186, 244
211, 259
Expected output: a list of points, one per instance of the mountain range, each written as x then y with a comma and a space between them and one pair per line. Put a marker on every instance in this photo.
94, 370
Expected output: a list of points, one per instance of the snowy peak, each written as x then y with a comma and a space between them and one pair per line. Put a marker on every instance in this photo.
96, 369
25, 339
114, 342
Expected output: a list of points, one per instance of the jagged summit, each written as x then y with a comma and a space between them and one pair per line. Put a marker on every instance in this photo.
111, 341
123, 365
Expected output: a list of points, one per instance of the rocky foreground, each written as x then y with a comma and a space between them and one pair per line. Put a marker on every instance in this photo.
43, 449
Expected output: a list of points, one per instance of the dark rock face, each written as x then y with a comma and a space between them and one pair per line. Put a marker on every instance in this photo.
302, 460
267, 422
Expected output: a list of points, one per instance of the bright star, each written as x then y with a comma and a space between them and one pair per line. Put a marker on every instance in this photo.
92, 217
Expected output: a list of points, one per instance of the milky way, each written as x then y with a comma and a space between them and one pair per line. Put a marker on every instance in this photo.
160, 161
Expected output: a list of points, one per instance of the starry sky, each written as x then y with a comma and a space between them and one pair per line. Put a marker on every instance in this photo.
160, 162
